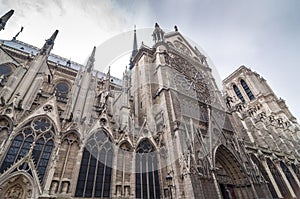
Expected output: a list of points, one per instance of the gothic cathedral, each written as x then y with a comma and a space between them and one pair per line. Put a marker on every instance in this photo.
163, 131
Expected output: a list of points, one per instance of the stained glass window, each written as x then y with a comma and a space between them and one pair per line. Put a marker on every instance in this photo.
61, 90
5, 69
247, 90
37, 132
94, 178
147, 178
238, 93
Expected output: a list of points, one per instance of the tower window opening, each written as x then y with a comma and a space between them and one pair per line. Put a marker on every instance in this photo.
247, 90
238, 93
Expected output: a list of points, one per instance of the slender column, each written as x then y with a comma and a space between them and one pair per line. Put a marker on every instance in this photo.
114, 173
216, 185
264, 163
294, 176
285, 180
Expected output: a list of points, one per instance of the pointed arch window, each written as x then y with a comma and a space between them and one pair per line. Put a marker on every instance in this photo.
5, 128
94, 178
147, 177
37, 133
6, 70
67, 156
61, 91
238, 93
124, 166
247, 89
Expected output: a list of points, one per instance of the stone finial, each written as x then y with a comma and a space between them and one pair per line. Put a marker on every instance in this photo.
46, 49
91, 60
176, 28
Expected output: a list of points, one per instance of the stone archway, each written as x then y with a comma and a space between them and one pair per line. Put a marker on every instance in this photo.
17, 187
231, 176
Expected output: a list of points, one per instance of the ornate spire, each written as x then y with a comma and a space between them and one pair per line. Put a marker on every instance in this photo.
5, 18
91, 60
134, 49
26, 81
45, 50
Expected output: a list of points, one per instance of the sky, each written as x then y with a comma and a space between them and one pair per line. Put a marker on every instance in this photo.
263, 35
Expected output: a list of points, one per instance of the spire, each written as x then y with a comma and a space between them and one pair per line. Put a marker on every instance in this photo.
5, 18
108, 78
45, 50
134, 49
91, 60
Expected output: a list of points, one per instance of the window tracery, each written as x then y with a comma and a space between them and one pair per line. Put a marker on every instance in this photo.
36, 136
67, 159
147, 177
182, 47
238, 93
247, 89
6, 70
61, 91
5, 129
124, 166
94, 178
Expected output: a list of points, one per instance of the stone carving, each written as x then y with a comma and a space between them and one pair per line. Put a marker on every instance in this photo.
180, 46
191, 81
48, 108
185, 163
16, 192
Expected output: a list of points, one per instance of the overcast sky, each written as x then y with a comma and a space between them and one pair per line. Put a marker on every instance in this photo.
261, 34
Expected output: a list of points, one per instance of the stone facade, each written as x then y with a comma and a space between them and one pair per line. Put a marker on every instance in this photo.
163, 131
269, 131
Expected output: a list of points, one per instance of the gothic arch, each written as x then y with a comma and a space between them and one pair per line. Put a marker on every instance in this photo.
150, 140
35, 137
238, 93
67, 156
18, 185
6, 126
231, 175
247, 89
27, 122
6, 69
107, 132
94, 179
147, 174
62, 89
124, 169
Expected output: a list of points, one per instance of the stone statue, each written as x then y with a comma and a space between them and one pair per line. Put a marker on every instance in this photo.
15, 192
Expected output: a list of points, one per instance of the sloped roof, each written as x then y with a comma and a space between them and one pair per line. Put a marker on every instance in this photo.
29, 49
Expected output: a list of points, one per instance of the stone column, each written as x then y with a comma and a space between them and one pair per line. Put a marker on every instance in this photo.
285, 180
294, 176
75, 176
114, 173
216, 184
265, 165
